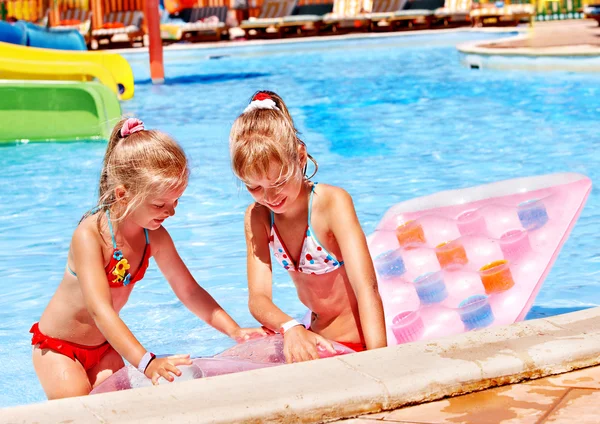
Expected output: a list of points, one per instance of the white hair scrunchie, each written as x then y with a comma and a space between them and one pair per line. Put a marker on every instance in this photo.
261, 104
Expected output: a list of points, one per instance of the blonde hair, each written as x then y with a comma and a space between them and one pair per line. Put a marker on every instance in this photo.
260, 137
144, 162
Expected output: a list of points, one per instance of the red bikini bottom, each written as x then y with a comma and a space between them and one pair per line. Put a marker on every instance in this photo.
357, 347
88, 356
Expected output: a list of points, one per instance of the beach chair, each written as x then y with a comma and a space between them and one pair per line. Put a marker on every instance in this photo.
270, 19
120, 26
592, 11
304, 20
454, 13
194, 24
73, 18
383, 11
489, 14
348, 15
415, 14
524, 12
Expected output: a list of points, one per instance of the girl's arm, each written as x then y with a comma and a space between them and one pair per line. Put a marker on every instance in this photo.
194, 297
299, 343
258, 263
359, 266
88, 260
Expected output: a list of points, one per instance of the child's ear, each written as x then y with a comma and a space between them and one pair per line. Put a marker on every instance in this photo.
120, 193
302, 155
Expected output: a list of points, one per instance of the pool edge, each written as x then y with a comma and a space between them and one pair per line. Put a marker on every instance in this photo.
348, 386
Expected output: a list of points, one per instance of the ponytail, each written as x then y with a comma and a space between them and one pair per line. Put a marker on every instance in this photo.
272, 105
104, 197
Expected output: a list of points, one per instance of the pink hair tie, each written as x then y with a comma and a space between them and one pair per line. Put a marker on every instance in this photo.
130, 126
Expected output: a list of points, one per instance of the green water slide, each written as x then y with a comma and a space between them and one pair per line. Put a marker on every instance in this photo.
56, 111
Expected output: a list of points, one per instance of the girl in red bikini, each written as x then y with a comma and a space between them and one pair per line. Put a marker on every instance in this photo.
80, 339
309, 228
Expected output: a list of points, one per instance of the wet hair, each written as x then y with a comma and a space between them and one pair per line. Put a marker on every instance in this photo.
144, 162
264, 135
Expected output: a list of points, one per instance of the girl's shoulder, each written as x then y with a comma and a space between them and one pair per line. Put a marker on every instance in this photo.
257, 218
330, 196
331, 203
258, 212
89, 231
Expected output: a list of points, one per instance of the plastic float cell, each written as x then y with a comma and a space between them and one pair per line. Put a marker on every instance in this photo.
471, 258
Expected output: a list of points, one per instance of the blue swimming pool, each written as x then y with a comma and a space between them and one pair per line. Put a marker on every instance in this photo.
387, 118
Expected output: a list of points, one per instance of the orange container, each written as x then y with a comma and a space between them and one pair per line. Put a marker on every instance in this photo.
496, 277
451, 254
410, 234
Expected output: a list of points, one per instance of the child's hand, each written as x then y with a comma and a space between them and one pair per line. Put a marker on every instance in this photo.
164, 367
300, 344
244, 334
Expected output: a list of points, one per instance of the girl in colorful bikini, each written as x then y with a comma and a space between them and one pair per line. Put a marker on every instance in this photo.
80, 338
312, 230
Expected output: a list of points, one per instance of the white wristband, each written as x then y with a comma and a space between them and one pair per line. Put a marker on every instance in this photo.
145, 361
287, 325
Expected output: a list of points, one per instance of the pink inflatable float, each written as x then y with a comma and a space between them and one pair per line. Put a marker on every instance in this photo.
253, 354
466, 259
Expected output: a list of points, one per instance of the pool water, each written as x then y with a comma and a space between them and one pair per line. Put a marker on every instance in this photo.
388, 119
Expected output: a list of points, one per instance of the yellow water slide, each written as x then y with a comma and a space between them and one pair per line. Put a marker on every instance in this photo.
31, 63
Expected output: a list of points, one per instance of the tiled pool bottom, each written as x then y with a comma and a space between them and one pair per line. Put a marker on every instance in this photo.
387, 119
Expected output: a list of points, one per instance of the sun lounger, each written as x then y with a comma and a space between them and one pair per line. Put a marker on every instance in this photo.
304, 20
508, 14
194, 24
73, 18
454, 13
522, 12
592, 11
269, 20
124, 25
348, 15
383, 12
415, 14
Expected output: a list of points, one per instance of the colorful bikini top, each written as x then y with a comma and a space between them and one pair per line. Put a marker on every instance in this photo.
117, 270
314, 258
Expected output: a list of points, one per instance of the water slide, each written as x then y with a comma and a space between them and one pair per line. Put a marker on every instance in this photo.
51, 38
32, 35
56, 111
30, 52
30, 63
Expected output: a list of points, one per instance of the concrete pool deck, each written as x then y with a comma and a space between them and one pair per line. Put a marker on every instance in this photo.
402, 35
567, 398
556, 36
354, 385
572, 46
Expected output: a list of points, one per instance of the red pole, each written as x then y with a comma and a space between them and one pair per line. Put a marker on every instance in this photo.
157, 69
54, 17
97, 20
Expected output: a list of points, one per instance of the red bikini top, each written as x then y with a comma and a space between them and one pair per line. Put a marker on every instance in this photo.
117, 270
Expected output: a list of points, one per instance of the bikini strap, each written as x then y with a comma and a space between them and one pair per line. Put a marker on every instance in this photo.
272, 219
312, 190
112, 234
147, 237
96, 209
